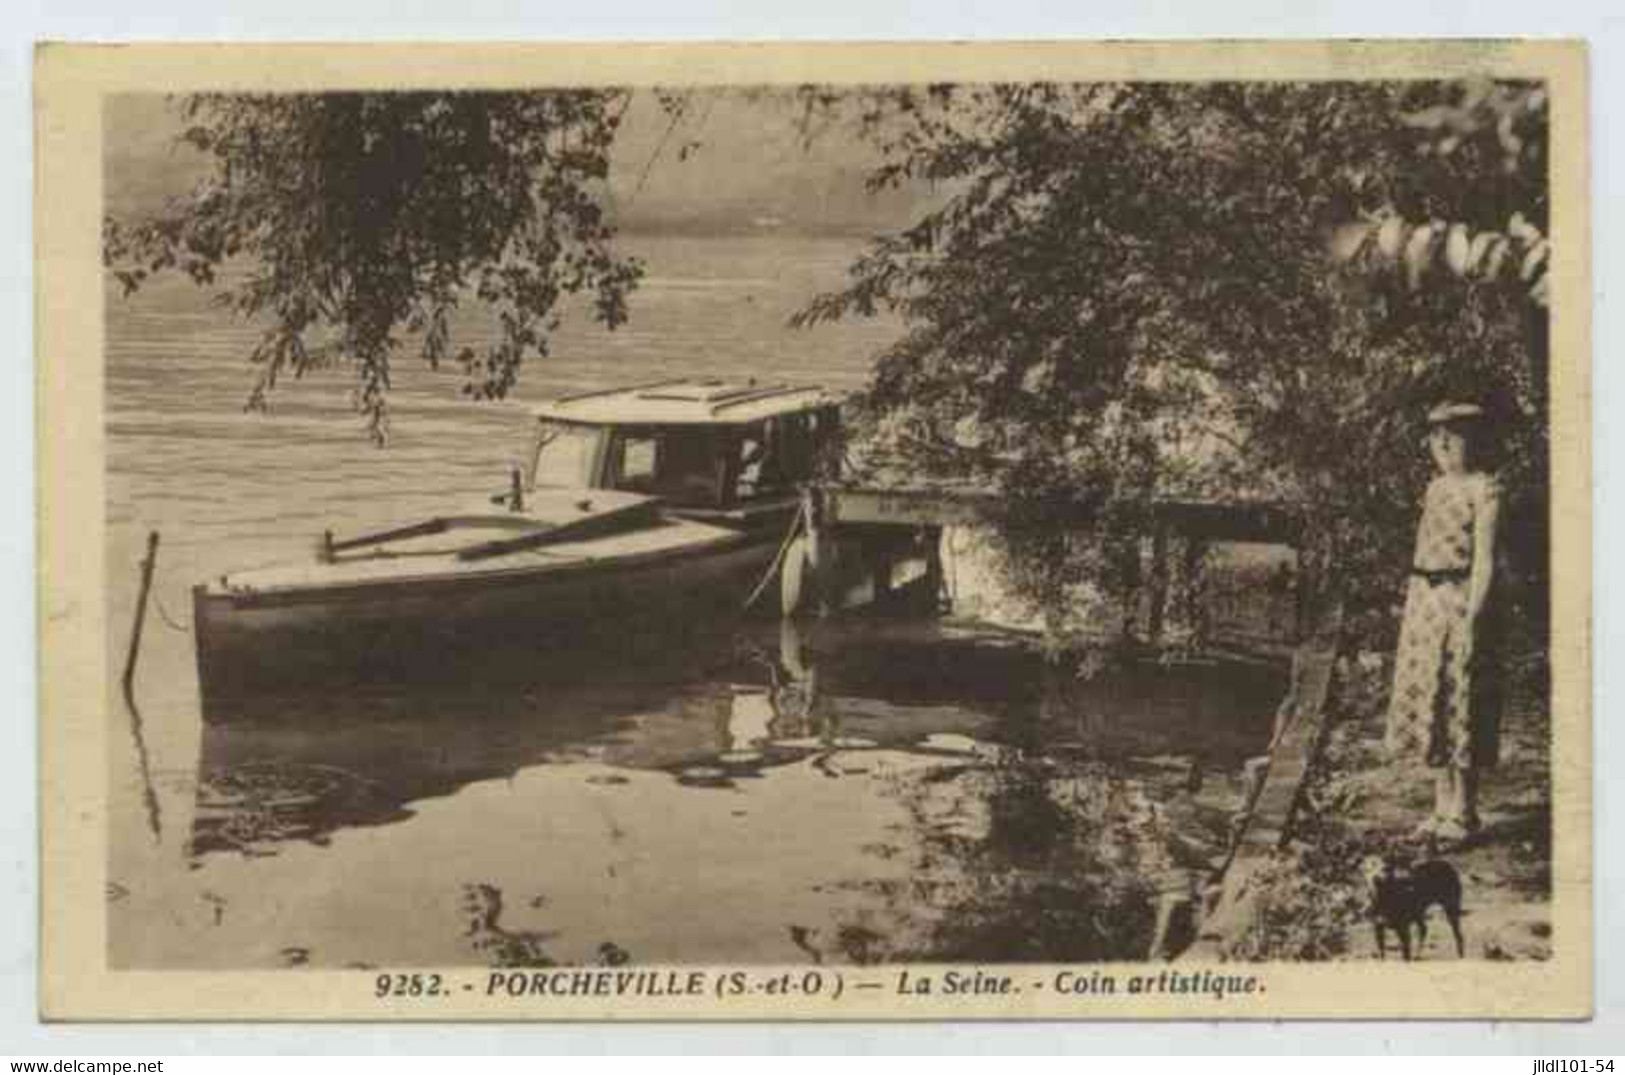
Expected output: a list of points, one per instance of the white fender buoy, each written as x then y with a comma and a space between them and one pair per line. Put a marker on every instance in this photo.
794, 576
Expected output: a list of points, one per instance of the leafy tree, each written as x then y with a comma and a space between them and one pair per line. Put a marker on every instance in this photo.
1124, 291
1128, 293
1451, 218
358, 217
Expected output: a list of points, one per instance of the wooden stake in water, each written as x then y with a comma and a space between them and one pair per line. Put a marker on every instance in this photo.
150, 795
140, 616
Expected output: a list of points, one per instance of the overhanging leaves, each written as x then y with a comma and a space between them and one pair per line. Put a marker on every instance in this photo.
357, 217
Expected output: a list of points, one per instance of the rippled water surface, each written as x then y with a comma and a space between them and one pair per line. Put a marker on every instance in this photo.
859, 790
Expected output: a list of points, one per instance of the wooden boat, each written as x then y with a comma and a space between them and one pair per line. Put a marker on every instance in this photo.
638, 502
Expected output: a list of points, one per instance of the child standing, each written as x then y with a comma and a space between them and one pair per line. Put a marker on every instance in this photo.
1442, 709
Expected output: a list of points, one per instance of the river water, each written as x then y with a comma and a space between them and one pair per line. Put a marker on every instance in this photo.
859, 790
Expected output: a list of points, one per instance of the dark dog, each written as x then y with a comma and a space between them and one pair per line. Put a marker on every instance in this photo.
1401, 896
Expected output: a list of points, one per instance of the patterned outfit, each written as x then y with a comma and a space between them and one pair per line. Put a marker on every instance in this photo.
1443, 702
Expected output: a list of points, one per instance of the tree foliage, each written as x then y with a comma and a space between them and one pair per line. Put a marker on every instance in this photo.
1130, 293
1124, 291
356, 218
1476, 130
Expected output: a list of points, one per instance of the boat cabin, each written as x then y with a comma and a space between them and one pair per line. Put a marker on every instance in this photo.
706, 447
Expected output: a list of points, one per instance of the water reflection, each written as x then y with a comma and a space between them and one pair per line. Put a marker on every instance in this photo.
877, 791
709, 710
302, 762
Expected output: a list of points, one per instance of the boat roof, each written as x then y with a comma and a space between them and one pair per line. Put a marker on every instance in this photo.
689, 401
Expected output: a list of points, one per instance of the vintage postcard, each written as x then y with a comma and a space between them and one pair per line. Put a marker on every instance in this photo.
1049, 530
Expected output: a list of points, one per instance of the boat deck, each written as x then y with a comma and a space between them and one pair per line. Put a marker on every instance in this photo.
434, 557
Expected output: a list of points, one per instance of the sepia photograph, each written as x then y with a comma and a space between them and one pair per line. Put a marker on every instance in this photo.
803, 547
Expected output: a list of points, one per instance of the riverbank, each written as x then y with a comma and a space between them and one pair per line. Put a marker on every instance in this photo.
1356, 803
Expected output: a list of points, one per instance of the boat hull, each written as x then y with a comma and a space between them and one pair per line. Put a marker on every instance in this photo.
462, 627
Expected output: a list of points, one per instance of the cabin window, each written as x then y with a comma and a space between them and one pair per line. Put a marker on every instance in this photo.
773, 457
564, 455
638, 458
678, 465
823, 440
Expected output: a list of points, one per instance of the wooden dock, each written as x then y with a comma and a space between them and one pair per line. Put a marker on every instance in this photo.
866, 513
1265, 823
1208, 520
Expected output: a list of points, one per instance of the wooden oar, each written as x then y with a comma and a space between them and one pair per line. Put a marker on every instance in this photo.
331, 548
513, 499
609, 521
486, 549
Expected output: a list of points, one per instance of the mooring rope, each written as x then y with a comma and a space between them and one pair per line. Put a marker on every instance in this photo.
778, 558
163, 614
